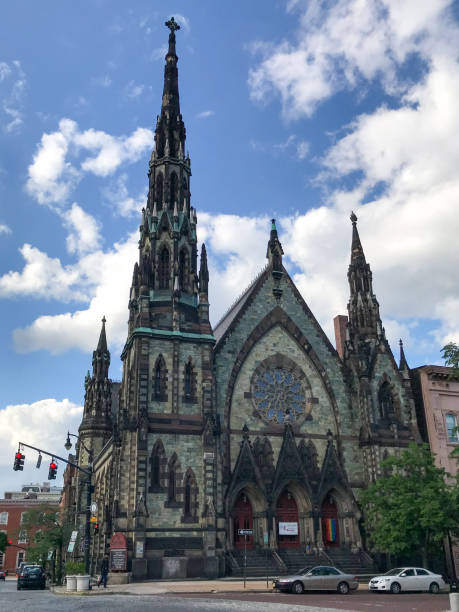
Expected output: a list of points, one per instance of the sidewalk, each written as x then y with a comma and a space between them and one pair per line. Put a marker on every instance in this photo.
157, 587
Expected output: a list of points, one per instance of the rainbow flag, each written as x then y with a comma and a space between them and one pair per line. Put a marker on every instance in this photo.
330, 530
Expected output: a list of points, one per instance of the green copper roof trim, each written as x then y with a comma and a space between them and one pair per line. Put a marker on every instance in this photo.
164, 333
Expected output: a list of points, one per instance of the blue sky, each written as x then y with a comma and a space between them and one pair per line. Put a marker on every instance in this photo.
299, 110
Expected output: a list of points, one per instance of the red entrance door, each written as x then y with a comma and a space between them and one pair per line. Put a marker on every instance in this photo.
287, 521
330, 526
243, 519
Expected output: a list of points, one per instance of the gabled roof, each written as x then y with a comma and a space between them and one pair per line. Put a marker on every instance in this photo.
229, 316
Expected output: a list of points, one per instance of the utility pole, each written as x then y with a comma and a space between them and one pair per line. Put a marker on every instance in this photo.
88, 471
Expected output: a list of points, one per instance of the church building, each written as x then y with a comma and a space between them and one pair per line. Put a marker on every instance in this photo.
257, 424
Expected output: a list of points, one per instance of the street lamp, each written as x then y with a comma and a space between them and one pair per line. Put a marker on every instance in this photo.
68, 446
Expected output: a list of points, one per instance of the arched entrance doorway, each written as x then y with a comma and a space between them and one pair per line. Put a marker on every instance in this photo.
330, 525
288, 533
242, 519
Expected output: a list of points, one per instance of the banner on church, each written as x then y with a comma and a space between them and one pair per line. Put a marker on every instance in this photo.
330, 530
288, 528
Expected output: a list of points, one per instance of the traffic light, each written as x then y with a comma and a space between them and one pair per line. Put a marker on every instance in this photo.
52, 471
96, 528
18, 461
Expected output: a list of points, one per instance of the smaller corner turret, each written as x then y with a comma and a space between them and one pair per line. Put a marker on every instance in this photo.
274, 254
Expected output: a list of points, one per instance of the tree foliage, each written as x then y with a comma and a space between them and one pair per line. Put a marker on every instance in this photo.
450, 353
3, 541
45, 534
414, 508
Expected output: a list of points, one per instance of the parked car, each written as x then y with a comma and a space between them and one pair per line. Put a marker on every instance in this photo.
21, 566
31, 577
320, 578
407, 579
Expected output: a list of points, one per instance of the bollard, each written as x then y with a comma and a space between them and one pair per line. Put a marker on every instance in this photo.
454, 602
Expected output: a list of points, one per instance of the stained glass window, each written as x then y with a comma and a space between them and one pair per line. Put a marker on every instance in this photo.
279, 395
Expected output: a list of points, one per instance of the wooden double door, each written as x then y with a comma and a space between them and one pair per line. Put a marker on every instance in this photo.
242, 519
287, 521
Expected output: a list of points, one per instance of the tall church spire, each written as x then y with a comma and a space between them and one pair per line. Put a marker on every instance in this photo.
164, 291
363, 307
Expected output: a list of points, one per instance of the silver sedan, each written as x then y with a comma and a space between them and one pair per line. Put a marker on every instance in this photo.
320, 578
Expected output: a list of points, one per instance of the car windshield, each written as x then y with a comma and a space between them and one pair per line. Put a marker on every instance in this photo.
33, 571
394, 572
305, 570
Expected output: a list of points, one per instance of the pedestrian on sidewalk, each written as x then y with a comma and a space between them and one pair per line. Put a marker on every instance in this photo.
104, 572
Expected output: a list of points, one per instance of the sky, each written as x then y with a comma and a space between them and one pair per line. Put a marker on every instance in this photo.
298, 110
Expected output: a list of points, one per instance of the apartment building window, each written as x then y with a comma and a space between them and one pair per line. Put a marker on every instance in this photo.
2, 559
451, 427
3, 518
22, 537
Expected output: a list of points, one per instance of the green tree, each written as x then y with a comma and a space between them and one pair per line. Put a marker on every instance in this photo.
414, 508
3, 541
450, 353
45, 534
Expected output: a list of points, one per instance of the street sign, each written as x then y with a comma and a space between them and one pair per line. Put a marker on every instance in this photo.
74, 535
71, 546
245, 532
94, 508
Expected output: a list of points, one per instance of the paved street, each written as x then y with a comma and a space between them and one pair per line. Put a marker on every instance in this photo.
45, 601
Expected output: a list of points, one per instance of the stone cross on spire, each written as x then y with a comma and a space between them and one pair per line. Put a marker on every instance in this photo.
172, 25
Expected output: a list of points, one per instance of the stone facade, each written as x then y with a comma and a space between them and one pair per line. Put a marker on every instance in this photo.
259, 424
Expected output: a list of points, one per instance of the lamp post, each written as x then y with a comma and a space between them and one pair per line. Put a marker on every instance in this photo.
68, 446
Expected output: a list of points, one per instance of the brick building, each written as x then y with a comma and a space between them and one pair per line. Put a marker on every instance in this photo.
259, 423
436, 392
12, 507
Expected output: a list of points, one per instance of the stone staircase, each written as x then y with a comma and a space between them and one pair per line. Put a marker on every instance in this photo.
295, 559
257, 564
351, 563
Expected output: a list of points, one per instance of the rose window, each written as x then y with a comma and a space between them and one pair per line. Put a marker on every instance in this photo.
278, 395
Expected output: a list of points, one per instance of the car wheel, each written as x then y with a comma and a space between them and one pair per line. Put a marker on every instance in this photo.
395, 588
434, 588
297, 588
343, 588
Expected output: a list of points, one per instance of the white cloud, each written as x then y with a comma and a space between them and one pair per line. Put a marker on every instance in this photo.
133, 89
117, 197
43, 424
183, 21
4, 229
205, 114
106, 278
52, 177
102, 81
339, 44
112, 151
83, 230
44, 277
158, 54
13, 85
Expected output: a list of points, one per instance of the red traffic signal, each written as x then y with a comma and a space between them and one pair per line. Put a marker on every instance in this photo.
18, 461
52, 471
96, 527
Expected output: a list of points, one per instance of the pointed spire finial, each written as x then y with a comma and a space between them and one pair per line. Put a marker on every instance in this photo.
172, 25
356, 248
403, 362
203, 271
102, 345
353, 218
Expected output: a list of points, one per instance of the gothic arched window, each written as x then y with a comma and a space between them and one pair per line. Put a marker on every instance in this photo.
190, 494
164, 271
173, 190
189, 382
157, 461
172, 479
386, 401
184, 194
159, 191
183, 270
159, 380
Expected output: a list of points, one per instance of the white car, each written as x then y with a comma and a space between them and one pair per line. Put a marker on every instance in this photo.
407, 579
